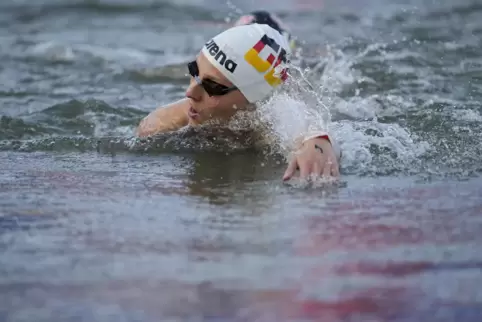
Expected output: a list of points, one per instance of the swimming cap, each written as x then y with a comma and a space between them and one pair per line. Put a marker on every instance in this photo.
266, 18
253, 57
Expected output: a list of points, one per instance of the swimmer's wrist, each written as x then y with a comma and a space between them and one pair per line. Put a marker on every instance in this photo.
317, 135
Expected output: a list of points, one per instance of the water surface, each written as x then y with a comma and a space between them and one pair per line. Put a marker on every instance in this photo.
98, 226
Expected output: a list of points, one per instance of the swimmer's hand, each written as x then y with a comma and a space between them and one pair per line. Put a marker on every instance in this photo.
316, 157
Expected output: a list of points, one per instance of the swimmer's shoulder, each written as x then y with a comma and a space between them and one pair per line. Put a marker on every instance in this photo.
165, 118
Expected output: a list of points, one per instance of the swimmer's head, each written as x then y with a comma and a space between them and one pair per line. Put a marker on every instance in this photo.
239, 66
266, 18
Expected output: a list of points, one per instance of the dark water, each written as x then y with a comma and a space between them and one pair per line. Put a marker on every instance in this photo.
196, 226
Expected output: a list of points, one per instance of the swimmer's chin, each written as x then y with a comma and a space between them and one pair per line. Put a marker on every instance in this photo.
211, 121
193, 122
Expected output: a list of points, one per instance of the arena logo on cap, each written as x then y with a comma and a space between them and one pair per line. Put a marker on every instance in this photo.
263, 65
220, 56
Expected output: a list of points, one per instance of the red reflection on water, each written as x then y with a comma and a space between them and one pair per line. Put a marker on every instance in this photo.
382, 219
376, 221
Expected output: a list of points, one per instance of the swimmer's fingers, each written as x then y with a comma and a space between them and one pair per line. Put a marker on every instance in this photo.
327, 168
305, 169
335, 169
318, 167
290, 171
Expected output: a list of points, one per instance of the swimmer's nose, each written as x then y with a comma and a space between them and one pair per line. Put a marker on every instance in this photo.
194, 91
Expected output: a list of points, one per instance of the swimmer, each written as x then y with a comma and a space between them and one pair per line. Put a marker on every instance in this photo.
265, 18
232, 72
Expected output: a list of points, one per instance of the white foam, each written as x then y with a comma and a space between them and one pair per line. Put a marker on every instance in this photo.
299, 109
69, 52
53, 51
467, 115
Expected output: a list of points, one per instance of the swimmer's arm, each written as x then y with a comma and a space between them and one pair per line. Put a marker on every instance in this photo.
164, 119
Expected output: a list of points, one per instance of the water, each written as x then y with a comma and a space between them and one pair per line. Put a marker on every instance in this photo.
197, 226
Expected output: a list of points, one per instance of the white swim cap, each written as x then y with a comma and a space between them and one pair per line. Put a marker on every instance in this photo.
253, 57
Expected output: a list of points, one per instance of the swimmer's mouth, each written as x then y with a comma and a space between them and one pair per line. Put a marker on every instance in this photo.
192, 113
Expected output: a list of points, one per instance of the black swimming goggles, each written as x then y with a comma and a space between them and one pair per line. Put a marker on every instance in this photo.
211, 87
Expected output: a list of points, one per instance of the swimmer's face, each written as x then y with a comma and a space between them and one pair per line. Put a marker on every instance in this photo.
224, 100
244, 20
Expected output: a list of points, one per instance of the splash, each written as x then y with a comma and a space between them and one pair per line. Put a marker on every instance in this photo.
313, 100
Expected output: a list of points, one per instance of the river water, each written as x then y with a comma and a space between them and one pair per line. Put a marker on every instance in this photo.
197, 226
